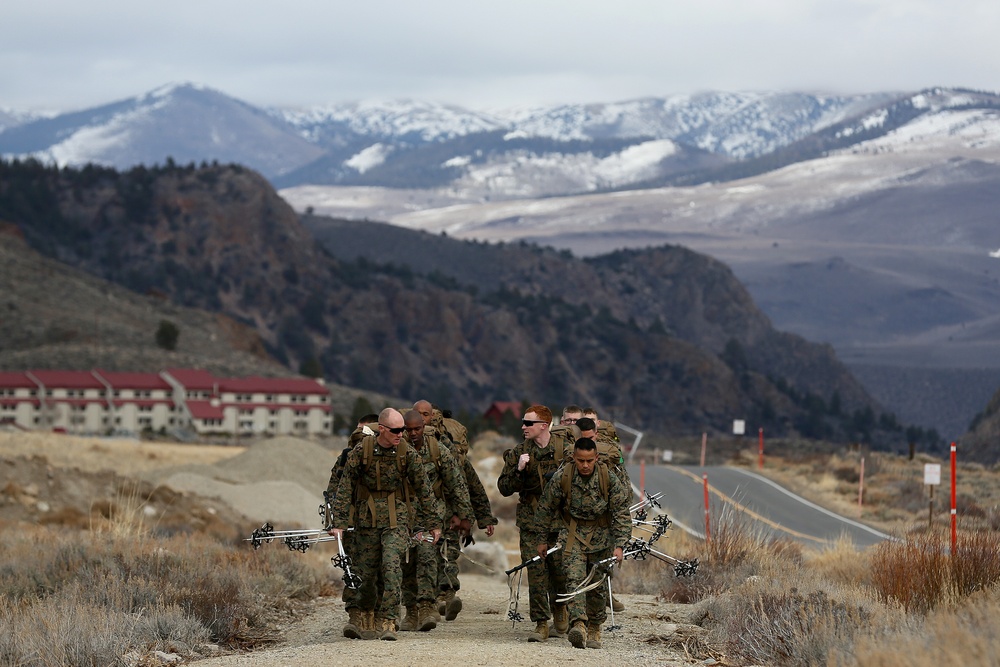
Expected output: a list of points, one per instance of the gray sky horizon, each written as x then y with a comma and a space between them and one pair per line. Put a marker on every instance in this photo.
58, 55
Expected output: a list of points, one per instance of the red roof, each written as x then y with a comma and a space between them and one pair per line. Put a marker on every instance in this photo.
193, 378
259, 385
66, 379
133, 380
204, 410
17, 381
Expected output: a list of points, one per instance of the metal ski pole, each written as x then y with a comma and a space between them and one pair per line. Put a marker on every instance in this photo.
343, 561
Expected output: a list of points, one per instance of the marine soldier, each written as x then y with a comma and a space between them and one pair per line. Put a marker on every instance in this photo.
382, 477
450, 498
526, 471
590, 507
352, 629
452, 434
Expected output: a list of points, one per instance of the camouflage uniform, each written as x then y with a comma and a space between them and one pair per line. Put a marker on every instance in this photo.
382, 531
453, 435
450, 495
598, 525
610, 453
350, 595
547, 579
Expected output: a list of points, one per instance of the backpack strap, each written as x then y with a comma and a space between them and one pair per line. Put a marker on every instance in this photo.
572, 522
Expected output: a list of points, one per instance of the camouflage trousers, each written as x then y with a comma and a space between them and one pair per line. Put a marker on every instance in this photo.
589, 606
447, 560
545, 580
420, 574
379, 555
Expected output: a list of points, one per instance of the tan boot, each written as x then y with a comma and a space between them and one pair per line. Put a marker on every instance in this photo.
352, 629
453, 607
541, 632
593, 636
427, 616
560, 619
577, 635
368, 629
410, 620
387, 629
616, 604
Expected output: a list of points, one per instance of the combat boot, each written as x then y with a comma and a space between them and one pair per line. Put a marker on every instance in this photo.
368, 629
593, 636
454, 605
616, 604
442, 602
577, 635
409, 623
352, 629
541, 632
386, 628
560, 619
427, 616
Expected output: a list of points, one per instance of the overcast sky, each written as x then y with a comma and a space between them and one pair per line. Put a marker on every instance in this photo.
71, 54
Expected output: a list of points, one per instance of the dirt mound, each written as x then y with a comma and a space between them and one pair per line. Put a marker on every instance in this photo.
280, 480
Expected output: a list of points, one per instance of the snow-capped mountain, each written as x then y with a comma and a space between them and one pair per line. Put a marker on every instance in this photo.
682, 139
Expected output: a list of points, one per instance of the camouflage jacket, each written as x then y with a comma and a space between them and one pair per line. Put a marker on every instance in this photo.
610, 453
530, 482
449, 491
597, 520
380, 488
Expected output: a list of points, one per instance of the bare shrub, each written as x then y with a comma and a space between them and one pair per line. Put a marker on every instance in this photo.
913, 572
791, 618
975, 562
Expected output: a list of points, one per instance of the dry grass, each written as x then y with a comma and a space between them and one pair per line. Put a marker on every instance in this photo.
96, 597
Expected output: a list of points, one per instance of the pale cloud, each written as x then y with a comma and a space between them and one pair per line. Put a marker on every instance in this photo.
58, 54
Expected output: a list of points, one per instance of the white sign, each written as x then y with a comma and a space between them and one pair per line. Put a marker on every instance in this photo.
668, 455
739, 427
932, 473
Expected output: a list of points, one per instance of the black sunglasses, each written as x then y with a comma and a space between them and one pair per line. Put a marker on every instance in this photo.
395, 431
532, 422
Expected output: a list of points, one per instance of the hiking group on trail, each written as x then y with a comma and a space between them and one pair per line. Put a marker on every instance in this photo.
403, 497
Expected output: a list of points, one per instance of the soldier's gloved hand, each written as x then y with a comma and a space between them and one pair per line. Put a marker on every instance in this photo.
522, 461
455, 522
468, 539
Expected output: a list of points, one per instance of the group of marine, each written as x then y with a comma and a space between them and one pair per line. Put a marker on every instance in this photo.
403, 498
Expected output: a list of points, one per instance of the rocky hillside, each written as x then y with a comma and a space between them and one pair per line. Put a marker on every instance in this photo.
664, 339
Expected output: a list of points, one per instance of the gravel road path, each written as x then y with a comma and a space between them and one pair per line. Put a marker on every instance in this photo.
479, 636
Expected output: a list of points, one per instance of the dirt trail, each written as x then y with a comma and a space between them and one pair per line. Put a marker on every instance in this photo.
479, 636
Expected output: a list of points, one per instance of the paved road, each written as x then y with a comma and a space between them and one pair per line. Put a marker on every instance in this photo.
774, 509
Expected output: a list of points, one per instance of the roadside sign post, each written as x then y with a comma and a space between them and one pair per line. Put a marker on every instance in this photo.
760, 449
708, 534
861, 485
739, 428
932, 477
954, 510
704, 443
